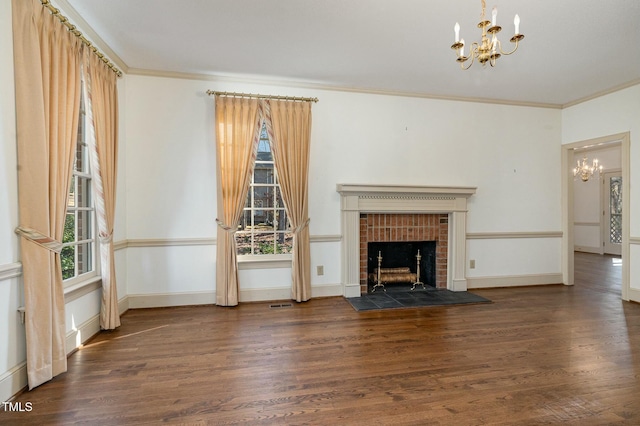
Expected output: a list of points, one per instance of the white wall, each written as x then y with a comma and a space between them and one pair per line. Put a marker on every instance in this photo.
615, 113
120, 225
510, 153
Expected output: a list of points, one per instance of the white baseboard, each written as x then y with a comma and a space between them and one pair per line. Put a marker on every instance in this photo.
327, 290
161, 300
90, 328
123, 305
13, 381
634, 295
459, 285
86, 330
264, 294
352, 290
514, 280
284, 293
583, 249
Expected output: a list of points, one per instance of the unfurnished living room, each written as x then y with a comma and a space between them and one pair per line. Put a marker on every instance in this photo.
319, 212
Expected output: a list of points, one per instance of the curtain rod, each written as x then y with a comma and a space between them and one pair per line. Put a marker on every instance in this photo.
249, 95
73, 30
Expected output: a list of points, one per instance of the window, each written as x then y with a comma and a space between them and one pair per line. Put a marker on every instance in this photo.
78, 244
264, 227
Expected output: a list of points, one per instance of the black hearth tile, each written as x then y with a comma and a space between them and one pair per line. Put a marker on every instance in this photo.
459, 297
404, 298
426, 301
362, 304
387, 303
418, 302
410, 299
404, 288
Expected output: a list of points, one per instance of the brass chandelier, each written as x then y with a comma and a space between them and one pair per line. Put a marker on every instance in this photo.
585, 171
489, 49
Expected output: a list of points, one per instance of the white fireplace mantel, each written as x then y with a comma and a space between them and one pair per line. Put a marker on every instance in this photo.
363, 198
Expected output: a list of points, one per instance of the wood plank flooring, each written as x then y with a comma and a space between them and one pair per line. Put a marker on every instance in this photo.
536, 355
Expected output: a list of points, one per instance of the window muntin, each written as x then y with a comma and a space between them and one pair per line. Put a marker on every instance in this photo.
78, 255
264, 227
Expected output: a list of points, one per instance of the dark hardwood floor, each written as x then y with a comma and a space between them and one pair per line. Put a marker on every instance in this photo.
536, 355
598, 273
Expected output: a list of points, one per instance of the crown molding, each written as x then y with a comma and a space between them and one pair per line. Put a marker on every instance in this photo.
602, 93
90, 33
320, 86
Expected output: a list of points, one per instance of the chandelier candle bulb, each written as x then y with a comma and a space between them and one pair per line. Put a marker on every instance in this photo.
461, 52
516, 23
456, 28
494, 15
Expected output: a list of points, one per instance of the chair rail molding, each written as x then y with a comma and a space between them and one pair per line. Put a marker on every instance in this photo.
10, 270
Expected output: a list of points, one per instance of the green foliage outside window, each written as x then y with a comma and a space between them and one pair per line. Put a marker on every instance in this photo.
67, 255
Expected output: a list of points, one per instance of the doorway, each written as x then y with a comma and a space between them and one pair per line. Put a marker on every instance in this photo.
568, 232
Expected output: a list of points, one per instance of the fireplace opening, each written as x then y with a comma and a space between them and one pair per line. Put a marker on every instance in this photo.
402, 254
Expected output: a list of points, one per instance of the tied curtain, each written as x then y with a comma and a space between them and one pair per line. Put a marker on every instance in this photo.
101, 93
238, 125
289, 129
47, 61
237, 136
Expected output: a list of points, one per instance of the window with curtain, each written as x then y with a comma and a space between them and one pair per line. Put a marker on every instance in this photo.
79, 256
264, 227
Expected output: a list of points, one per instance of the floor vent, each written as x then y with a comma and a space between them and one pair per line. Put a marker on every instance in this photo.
280, 305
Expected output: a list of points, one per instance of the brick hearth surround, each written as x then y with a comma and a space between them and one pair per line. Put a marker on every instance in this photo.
392, 227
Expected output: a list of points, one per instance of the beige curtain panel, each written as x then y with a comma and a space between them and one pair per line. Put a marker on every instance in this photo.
47, 79
237, 136
289, 126
101, 89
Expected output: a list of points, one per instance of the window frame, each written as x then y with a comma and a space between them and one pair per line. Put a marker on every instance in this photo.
257, 260
82, 150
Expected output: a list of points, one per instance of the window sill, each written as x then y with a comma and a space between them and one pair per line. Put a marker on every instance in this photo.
278, 261
79, 289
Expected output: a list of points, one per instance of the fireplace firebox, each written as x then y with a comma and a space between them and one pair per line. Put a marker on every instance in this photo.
402, 254
402, 228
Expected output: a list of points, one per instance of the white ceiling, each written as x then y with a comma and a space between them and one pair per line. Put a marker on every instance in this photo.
573, 49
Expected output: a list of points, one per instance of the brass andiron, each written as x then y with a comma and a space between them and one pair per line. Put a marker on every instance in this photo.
378, 283
418, 282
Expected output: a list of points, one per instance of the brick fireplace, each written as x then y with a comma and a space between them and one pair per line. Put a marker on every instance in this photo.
445, 207
405, 227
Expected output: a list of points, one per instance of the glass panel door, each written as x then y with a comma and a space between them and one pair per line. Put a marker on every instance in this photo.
613, 213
